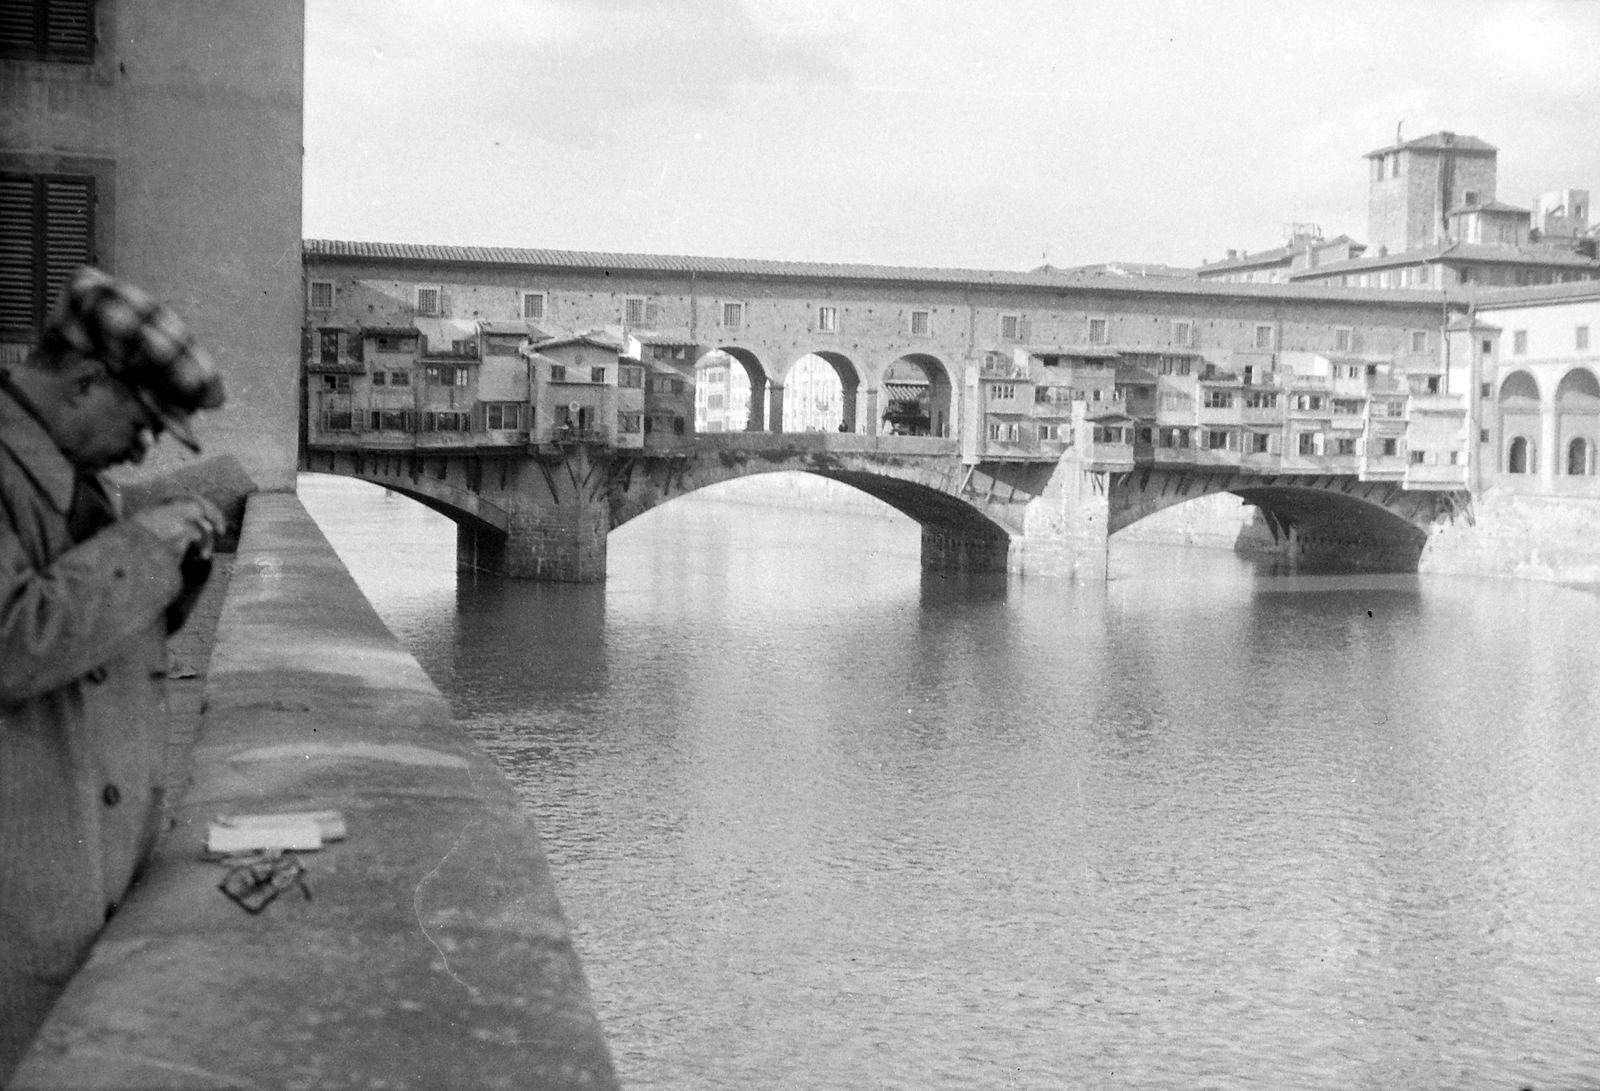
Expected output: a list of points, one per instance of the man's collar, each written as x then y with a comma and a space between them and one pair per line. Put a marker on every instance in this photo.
23, 434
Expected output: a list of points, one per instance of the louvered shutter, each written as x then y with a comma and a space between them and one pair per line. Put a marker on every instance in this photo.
46, 232
47, 30
17, 304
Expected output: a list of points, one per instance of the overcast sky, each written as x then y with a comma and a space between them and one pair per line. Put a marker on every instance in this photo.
983, 135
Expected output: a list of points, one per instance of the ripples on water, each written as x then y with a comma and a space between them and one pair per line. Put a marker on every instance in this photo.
823, 822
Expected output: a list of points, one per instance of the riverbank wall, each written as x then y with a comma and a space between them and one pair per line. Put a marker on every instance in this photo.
1550, 538
431, 951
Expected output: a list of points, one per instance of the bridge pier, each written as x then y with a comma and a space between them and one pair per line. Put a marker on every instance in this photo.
1065, 532
562, 543
963, 549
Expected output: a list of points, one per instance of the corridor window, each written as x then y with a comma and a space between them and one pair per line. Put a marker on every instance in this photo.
1519, 342
828, 319
733, 315
1011, 327
1183, 334
1263, 337
1099, 331
1419, 340
322, 295
634, 311
919, 323
47, 230
533, 306
428, 300
1581, 338
1342, 340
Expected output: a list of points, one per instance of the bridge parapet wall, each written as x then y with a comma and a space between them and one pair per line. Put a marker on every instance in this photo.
434, 953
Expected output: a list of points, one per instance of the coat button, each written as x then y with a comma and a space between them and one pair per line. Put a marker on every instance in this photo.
97, 675
112, 795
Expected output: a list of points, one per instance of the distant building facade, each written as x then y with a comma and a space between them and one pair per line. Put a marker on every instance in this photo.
1435, 221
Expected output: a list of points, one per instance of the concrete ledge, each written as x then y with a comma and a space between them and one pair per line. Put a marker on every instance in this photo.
434, 953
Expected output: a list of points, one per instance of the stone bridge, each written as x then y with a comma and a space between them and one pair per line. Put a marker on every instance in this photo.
545, 513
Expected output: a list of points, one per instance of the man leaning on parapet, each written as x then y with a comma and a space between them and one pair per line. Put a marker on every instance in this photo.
87, 599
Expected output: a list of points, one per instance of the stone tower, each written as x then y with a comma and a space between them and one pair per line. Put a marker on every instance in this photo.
1415, 185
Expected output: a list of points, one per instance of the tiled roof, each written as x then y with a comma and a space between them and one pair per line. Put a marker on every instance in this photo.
1272, 257
512, 325
566, 260
1438, 142
1508, 255
1490, 298
389, 331
591, 339
1489, 206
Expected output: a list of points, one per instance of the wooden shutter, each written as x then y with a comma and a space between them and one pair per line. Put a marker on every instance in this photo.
18, 308
46, 233
47, 30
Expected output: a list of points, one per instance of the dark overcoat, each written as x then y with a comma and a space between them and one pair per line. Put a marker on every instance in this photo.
83, 722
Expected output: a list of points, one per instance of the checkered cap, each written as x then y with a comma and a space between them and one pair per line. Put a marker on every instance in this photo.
140, 342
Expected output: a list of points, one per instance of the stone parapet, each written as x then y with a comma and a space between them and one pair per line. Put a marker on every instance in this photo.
433, 953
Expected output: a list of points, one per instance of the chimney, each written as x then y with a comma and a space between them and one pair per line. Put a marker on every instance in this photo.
1233, 255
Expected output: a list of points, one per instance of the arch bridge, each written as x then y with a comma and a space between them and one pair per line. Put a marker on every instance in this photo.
541, 513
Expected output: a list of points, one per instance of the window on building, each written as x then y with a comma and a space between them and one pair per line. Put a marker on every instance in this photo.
630, 376
1419, 340
1308, 403
1219, 399
1344, 445
1306, 444
1002, 392
380, 378
322, 295
630, 424
385, 342
1519, 342
1263, 337
1342, 339
1483, 435
733, 315
399, 378
1433, 384
533, 306
919, 323
1261, 399
597, 374
1391, 447
828, 319
502, 416
633, 311
1099, 331
1397, 409
47, 30
328, 346
428, 301
1183, 333
1418, 458
1469, 198
1348, 407
1049, 433
1581, 338
1259, 443
1011, 327
1216, 439
47, 230
338, 384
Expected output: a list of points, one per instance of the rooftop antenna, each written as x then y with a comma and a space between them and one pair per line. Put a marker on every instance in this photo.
1398, 139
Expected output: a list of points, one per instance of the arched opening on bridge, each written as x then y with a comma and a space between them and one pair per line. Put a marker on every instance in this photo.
819, 394
730, 389
1578, 420
917, 396
1519, 457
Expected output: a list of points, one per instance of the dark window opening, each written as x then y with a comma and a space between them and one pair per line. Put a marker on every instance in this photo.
47, 231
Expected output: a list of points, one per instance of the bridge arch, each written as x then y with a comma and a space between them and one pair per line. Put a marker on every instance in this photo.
934, 406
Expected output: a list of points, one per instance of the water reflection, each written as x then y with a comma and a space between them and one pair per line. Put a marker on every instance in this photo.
824, 821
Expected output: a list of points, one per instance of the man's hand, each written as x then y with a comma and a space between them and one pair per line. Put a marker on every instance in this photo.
180, 524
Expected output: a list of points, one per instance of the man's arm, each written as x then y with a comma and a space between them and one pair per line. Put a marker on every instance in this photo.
60, 624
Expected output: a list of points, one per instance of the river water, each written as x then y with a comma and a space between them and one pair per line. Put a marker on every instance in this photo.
821, 821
